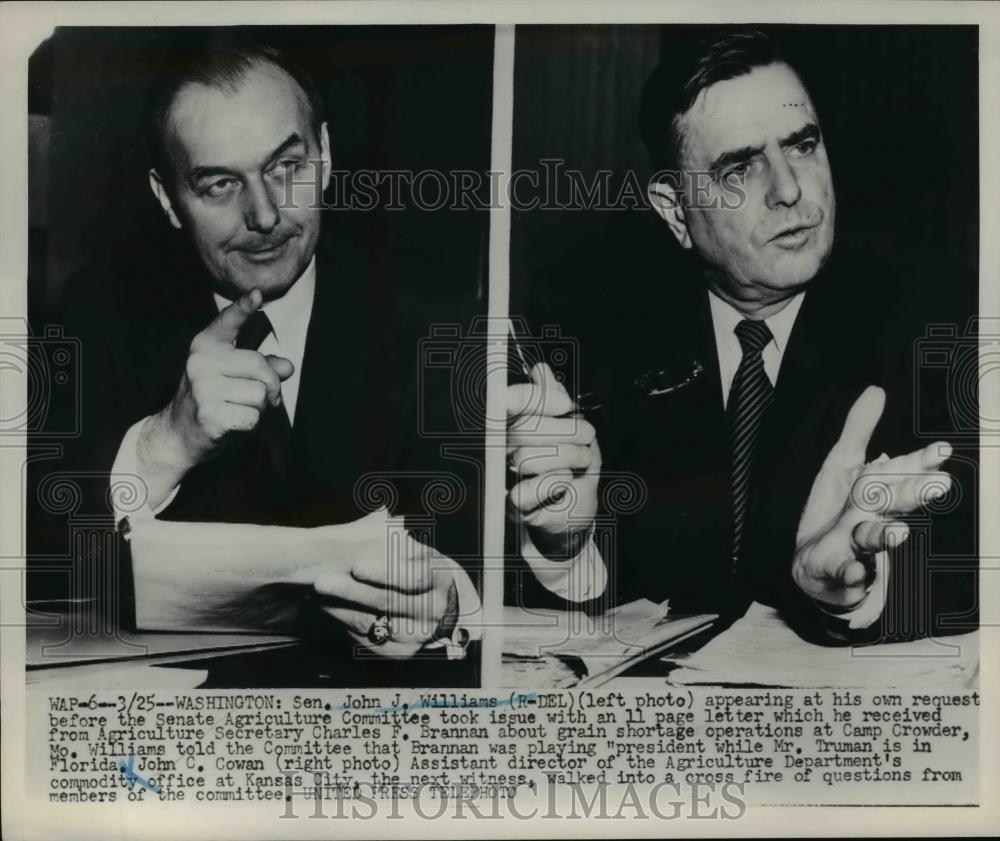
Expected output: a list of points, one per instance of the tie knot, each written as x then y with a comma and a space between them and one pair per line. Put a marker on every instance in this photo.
254, 331
753, 335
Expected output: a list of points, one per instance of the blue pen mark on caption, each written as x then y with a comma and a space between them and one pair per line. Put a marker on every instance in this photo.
131, 777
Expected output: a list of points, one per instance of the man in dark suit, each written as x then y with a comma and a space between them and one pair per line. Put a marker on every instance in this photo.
751, 392
252, 373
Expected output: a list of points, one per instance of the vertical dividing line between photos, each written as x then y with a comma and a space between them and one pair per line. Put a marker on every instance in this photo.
496, 356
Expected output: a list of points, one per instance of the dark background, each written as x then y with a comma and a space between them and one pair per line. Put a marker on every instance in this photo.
410, 98
898, 106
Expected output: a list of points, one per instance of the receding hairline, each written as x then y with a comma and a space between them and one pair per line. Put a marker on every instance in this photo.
677, 123
231, 84
236, 82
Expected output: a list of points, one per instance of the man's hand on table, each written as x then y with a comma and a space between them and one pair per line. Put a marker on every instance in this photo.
237, 577
402, 579
555, 455
853, 508
224, 389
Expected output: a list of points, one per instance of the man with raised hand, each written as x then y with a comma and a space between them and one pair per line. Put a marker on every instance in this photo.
764, 470
258, 395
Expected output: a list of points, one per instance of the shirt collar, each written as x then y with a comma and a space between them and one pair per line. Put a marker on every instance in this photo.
289, 314
725, 317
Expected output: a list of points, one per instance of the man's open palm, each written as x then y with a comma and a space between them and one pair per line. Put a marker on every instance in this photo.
852, 510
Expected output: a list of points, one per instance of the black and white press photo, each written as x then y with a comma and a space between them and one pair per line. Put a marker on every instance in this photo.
440, 419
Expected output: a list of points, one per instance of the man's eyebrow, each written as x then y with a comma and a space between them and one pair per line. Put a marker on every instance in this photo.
292, 140
810, 131
734, 156
200, 172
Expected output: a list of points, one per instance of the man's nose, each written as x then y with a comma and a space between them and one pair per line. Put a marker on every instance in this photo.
783, 188
260, 211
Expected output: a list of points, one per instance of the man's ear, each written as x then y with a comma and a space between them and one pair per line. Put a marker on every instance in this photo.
668, 202
163, 197
324, 148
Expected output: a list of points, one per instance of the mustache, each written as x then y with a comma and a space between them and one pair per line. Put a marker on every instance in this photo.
263, 243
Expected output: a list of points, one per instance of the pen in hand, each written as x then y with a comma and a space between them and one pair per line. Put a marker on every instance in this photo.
584, 402
553, 454
512, 331
551, 401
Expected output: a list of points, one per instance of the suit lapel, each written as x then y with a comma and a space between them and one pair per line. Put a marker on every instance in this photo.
704, 413
681, 447
818, 370
337, 415
818, 380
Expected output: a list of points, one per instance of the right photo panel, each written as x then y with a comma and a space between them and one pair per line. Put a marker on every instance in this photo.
742, 403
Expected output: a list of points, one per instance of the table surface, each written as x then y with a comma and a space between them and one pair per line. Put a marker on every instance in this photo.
758, 649
67, 644
562, 670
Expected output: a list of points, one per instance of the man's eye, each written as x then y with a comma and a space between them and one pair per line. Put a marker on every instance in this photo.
220, 187
737, 172
283, 168
806, 147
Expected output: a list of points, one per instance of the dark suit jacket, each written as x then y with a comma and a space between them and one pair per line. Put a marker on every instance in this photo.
864, 321
355, 438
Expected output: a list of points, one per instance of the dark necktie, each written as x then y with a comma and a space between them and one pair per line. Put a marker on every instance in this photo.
274, 426
750, 395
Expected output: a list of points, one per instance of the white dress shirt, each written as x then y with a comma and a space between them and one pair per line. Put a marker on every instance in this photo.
577, 580
585, 576
724, 320
289, 316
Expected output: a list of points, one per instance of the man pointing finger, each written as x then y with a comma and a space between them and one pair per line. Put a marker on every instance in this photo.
223, 389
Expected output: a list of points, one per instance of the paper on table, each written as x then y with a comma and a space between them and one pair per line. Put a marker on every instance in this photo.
539, 672
761, 650
619, 631
543, 644
231, 577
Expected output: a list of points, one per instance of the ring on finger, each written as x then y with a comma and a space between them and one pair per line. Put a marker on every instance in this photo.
380, 631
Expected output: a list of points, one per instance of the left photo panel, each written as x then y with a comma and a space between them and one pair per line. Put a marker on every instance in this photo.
257, 296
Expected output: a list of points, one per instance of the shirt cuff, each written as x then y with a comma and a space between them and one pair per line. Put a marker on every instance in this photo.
866, 613
577, 580
128, 491
468, 626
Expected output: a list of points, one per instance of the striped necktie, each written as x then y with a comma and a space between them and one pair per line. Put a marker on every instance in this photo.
750, 395
274, 427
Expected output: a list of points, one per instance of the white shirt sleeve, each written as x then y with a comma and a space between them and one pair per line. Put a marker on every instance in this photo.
469, 626
577, 580
127, 488
129, 498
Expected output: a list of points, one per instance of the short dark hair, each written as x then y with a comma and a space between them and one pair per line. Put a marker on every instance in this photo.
674, 85
222, 66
